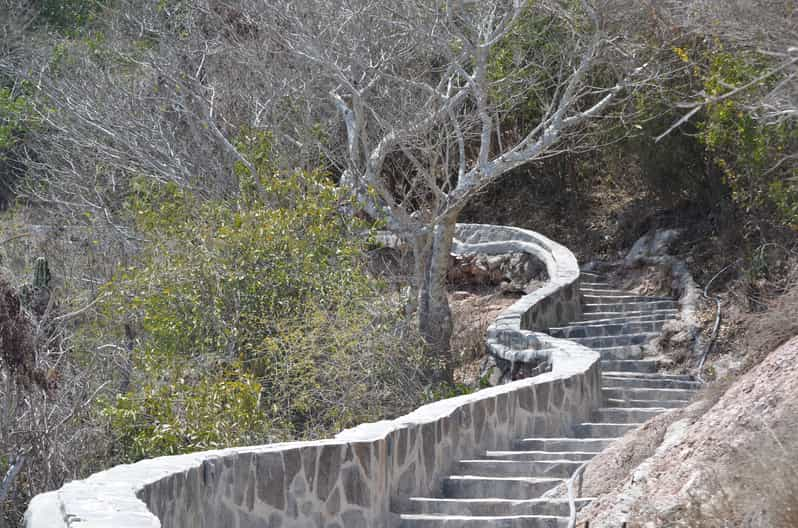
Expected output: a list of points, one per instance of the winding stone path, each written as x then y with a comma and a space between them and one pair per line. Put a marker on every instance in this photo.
504, 488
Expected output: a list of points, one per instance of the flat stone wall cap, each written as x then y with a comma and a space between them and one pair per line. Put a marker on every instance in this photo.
367, 431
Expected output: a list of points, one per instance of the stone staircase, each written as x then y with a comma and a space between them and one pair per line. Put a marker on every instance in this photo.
504, 488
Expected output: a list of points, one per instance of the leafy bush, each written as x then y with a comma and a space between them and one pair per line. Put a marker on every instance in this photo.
749, 151
69, 15
15, 120
254, 321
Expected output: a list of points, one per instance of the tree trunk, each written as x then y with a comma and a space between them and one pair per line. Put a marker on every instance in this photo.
434, 314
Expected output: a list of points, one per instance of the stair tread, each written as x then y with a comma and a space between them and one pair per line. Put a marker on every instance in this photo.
506, 479
535, 452
500, 500
614, 409
610, 423
560, 438
646, 334
620, 321
668, 404
632, 389
509, 461
628, 313
648, 376
625, 296
432, 516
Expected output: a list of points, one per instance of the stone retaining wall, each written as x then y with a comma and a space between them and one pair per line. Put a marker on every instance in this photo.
512, 336
352, 480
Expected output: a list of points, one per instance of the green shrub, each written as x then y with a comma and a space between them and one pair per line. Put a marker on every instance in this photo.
69, 15
15, 117
749, 151
254, 321
171, 414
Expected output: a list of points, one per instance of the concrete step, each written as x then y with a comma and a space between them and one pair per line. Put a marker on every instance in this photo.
588, 285
616, 341
518, 468
601, 330
615, 316
592, 276
626, 307
601, 289
542, 455
628, 366
626, 414
475, 487
491, 507
649, 375
463, 521
650, 383
628, 393
603, 429
627, 352
662, 315
563, 444
620, 298
637, 404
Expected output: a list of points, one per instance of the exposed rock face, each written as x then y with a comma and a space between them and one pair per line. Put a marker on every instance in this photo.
726, 466
652, 245
513, 272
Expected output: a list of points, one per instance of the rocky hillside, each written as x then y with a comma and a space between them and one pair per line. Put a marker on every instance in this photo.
733, 465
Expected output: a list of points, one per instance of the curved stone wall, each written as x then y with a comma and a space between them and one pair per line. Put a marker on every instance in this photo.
353, 480
514, 336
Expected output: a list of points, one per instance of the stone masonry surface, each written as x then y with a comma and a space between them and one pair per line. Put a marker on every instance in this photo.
523, 486
364, 475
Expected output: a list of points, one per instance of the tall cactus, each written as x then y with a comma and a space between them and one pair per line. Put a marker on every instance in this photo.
41, 273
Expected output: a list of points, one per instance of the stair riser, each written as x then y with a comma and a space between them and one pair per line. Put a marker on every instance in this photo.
599, 289
616, 365
667, 404
619, 393
614, 317
477, 522
562, 444
621, 415
648, 376
540, 455
629, 307
622, 353
589, 285
614, 341
517, 468
638, 383
490, 507
500, 489
623, 320
609, 298
606, 330
602, 430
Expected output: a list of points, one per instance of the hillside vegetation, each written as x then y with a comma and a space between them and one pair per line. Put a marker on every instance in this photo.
191, 192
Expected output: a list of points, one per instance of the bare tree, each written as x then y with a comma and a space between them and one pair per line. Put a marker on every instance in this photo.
402, 99
422, 105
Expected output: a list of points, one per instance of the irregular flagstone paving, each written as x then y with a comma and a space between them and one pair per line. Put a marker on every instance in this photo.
503, 488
